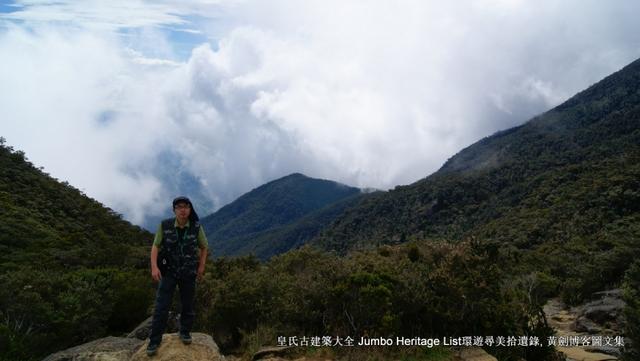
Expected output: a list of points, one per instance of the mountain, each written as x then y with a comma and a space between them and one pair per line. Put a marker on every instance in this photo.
561, 191
55, 223
550, 207
71, 269
277, 216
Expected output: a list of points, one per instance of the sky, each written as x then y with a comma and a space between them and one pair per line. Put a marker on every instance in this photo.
134, 102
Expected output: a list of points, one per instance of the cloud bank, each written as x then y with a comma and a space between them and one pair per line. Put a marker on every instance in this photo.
371, 94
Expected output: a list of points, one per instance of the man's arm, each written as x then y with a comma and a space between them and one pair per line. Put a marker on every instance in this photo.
155, 271
203, 258
204, 251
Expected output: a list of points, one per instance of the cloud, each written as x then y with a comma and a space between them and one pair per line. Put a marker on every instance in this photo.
371, 94
97, 14
58, 88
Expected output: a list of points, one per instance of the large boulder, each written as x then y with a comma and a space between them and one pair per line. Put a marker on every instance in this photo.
271, 352
103, 349
603, 315
143, 330
203, 348
472, 354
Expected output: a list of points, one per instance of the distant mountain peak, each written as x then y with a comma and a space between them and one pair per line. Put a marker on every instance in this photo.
295, 175
244, 225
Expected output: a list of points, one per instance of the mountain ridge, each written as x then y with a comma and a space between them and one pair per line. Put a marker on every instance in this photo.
268, 215
561, 192
586, 128
71, 269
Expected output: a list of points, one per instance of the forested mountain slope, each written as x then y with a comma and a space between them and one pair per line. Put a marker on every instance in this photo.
71, 269
562, 191
277, 216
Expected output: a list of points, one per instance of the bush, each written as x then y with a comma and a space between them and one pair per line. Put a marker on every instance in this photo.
631, 295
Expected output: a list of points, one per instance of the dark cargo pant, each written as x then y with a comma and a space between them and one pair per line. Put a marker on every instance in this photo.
187, 287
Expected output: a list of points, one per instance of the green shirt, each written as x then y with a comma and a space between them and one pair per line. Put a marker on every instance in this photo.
202, 238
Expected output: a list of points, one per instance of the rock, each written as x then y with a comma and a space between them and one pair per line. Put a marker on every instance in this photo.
304, 358
276, 358
559, 316
203, 348
606, 312
616, 293
583, 324
271, 352
104, 349
143, 330
472, 354
608, 350
602, 316
580, 354
553, 307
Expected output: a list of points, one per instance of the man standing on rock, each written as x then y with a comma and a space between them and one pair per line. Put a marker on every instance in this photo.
176, 261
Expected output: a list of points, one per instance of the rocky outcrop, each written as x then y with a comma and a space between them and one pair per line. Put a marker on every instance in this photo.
472, 354
106, 349
603, 316
203, 348
271, 352
143, 330
287, 354
304, 358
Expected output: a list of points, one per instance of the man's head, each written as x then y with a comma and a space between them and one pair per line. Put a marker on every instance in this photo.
183, 209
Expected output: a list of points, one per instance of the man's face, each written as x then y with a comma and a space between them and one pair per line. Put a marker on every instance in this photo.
182, 210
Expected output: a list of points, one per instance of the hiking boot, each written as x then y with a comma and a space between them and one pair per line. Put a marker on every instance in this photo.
185, 338
152, 349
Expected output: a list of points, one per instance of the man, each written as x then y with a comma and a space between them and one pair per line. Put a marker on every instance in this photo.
175, 262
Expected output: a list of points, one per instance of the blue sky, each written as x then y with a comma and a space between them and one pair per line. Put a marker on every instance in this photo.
183, 35
371, 94
8, 6
182, 42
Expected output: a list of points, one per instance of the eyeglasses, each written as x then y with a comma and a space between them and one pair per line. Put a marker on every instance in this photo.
182, 206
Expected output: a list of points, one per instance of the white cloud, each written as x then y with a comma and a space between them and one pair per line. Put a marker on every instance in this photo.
371, 94
54, 86
97, 14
